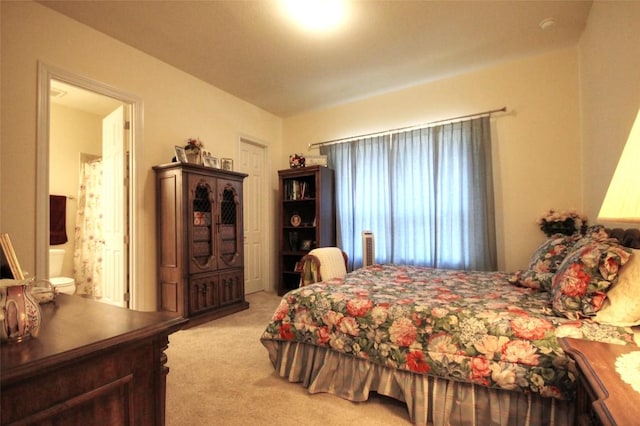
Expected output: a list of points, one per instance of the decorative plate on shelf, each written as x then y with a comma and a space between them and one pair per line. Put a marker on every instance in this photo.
296, 220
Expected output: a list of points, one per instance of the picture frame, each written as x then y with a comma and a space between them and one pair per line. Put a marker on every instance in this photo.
181, 154
210, 161
307, 244
296, 220
9, 257
226, 164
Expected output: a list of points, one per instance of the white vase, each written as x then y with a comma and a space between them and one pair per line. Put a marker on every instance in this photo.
194, 157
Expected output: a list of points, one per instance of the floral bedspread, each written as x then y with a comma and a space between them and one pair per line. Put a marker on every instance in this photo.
467, 326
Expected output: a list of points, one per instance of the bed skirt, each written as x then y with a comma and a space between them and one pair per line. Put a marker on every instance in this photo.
430, 400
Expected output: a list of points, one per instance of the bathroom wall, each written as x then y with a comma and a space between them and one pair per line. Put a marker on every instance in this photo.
72, 132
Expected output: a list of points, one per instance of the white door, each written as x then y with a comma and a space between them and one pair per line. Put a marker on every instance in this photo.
253, 159
114, 284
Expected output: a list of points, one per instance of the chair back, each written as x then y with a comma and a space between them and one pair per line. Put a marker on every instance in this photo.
323, 264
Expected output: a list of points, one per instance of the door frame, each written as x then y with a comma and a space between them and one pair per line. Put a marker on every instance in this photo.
267, 220
46, 73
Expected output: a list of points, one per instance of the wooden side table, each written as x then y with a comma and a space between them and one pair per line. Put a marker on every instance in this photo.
602, 397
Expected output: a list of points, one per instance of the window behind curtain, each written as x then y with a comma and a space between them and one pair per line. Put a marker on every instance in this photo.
427, 195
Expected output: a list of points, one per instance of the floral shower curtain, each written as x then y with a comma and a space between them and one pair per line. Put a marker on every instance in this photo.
89, 244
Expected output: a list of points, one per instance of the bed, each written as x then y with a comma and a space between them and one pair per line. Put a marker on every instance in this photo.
461, 347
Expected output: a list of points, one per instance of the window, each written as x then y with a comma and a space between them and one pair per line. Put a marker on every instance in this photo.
427, 195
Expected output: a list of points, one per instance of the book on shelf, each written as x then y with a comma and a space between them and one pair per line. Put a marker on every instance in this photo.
296, 190
303, 190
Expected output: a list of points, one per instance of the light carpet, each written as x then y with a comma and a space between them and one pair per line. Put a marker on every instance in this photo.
220, 374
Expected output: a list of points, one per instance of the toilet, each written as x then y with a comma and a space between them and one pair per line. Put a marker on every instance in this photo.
61, 284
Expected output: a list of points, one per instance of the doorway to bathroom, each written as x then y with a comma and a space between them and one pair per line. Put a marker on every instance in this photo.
88, 153
84, 124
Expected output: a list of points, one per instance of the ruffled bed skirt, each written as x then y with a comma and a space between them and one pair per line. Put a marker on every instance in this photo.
430, 400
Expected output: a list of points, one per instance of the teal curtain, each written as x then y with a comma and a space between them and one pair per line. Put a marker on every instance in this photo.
358, 165
426, 194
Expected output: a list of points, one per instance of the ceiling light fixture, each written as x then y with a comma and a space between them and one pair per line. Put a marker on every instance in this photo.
317, 15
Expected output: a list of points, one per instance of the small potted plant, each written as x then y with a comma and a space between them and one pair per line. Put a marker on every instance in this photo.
193, 148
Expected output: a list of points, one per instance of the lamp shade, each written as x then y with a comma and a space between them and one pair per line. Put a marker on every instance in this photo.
622, 202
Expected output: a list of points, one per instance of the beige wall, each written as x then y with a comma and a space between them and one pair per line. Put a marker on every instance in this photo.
555, 102
176, 106
537, 162
610, 90
71, 132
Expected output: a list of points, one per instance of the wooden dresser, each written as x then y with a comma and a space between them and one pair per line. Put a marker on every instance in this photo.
91, 364
603, 398
200, 241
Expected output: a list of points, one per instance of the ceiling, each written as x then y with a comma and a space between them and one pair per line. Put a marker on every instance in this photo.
249, 49
84, 100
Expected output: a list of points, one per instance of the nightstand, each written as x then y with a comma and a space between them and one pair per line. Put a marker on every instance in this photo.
602, 397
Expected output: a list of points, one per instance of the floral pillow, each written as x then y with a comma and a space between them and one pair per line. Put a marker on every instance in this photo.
598, 232
545, 262
580, 285
593, 233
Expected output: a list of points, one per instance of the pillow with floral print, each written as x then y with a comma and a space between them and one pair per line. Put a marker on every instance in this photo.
598, 232
581, 283
593, 233
545, 262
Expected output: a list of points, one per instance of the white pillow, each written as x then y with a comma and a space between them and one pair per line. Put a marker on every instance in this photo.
622, 305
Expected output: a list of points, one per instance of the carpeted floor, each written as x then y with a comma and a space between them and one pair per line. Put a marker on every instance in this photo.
220, 374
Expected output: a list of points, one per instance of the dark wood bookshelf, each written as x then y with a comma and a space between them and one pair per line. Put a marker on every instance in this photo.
309, 194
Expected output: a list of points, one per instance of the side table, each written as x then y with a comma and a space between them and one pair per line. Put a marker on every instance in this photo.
602, 396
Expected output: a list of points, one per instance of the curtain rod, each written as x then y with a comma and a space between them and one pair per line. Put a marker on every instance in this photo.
403, 129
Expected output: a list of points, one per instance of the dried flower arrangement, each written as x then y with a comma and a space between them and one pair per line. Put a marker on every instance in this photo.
194, 145
566, 222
